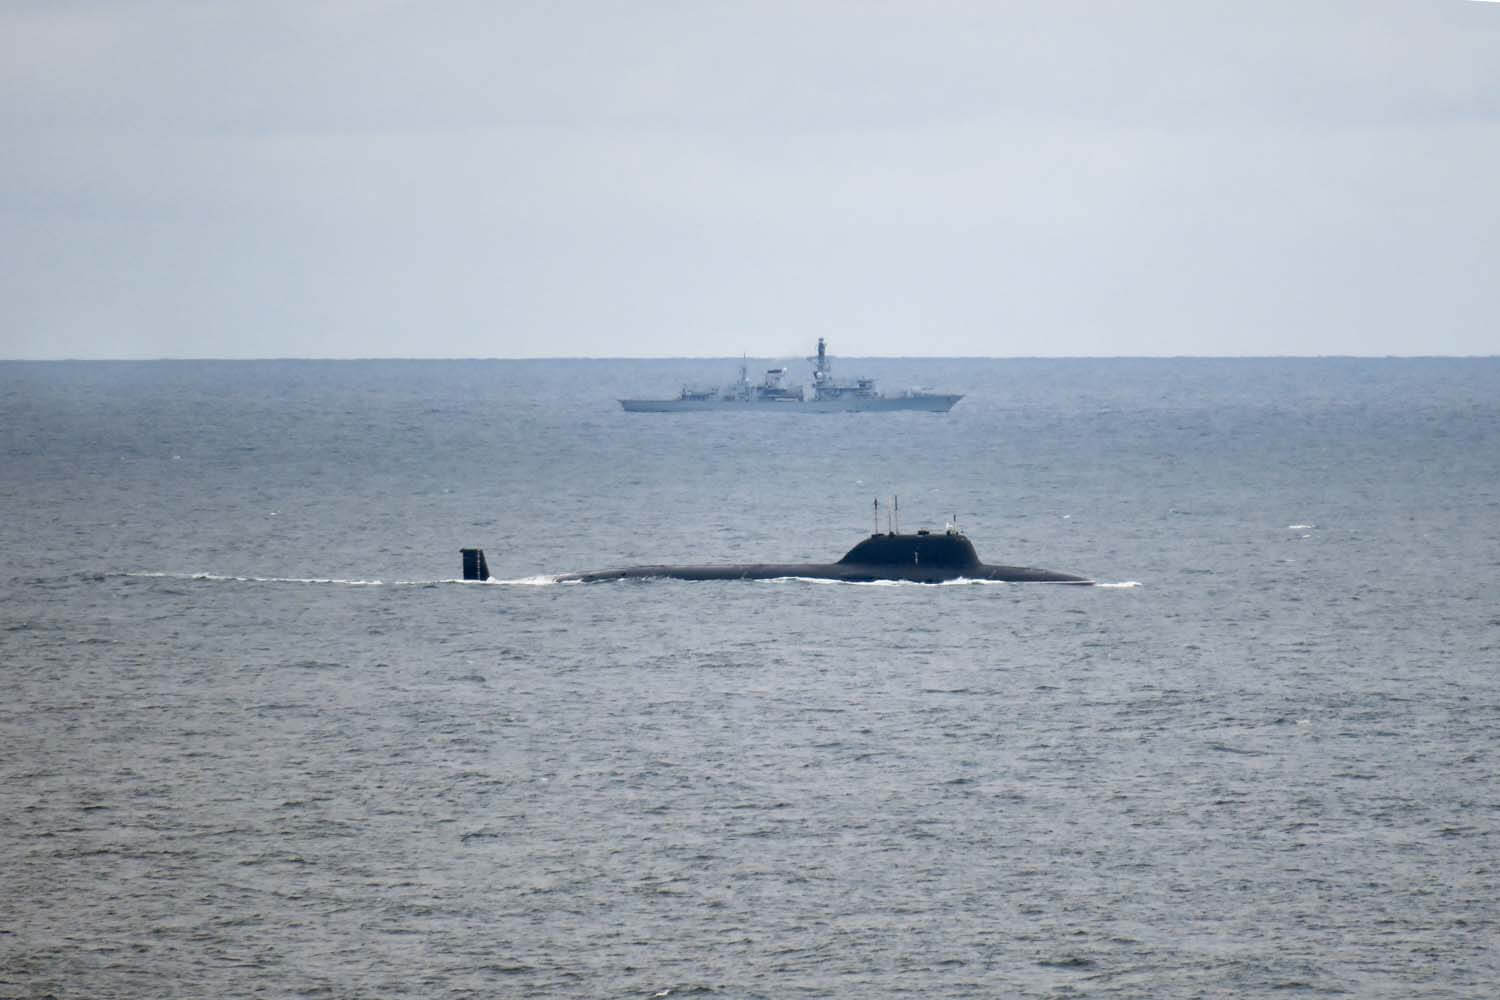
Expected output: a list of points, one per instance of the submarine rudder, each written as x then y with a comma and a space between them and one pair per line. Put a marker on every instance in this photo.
475, 568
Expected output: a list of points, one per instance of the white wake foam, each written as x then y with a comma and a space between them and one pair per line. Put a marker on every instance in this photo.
220, 578
540, 580
544, 580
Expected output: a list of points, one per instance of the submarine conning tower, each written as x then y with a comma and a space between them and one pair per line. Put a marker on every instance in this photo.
949, 550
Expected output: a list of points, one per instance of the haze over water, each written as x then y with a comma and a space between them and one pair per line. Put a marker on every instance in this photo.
256, 739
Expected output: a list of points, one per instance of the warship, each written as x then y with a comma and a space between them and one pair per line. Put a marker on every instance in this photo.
825, 394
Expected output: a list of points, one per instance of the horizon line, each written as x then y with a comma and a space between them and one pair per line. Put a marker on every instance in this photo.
772, 357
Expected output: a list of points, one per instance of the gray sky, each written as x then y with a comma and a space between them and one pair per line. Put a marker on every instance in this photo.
290, 178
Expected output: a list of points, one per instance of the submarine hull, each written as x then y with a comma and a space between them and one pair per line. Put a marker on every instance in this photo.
847, 573
920, 558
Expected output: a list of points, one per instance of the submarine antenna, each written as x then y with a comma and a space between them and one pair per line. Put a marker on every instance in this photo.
896, 503
877, 515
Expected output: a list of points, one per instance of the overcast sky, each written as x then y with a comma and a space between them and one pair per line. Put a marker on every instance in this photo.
292, 178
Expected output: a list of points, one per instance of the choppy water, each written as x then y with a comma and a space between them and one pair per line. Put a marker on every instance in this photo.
255, 740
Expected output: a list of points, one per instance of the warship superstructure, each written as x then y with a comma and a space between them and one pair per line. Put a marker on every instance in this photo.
825, 394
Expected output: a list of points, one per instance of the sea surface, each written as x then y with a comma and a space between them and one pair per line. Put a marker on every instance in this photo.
256, 740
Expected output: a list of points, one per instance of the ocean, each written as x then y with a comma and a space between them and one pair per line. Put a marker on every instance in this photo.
257, 740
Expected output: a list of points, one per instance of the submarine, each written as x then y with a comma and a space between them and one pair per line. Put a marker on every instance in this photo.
923, 557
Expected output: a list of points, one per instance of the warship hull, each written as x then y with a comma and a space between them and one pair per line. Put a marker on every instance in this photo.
825, 394
930, 403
